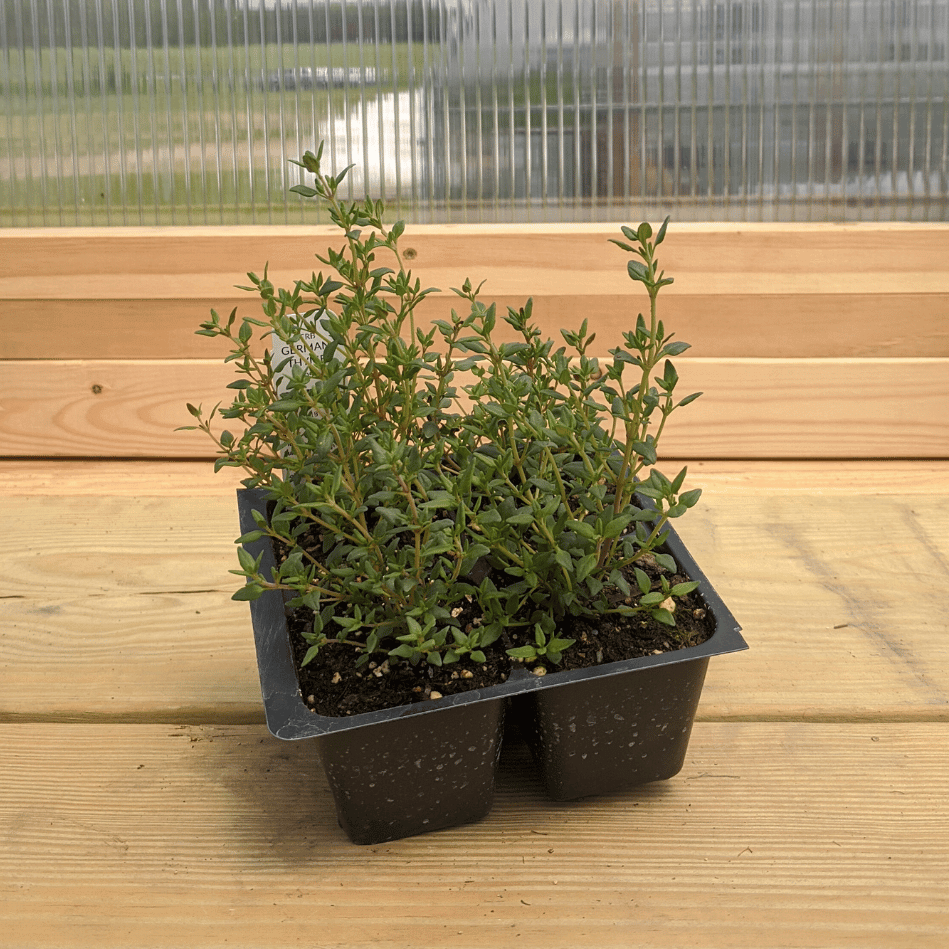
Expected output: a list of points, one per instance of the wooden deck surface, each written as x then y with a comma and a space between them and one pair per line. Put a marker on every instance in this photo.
143, 803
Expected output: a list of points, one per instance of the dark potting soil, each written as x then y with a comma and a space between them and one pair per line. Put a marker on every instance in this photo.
331, 686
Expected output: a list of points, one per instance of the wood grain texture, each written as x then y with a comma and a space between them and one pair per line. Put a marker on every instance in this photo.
866, 248
140, 478
841, 600
90, 546
178, 657
811, 812
774, 408
839, 592
746, 290
765, 324
786, 835
142, 802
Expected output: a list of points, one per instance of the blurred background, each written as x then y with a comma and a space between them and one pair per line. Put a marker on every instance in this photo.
142, 112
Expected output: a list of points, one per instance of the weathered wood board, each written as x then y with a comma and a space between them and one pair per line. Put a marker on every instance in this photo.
749, 290
799, 836
751, 408
116, 595
142, 801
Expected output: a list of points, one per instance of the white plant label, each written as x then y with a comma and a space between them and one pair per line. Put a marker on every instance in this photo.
308, 346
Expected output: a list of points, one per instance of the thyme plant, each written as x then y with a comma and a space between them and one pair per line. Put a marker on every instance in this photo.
436, 491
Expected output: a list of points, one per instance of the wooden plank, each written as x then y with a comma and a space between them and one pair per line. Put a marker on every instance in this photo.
97, 478
821, 290
868, 478
175, 657
115, 545
751, 408
840, 594
867, 248
609, 280
774, 835
840, 599
821, 408
853, 324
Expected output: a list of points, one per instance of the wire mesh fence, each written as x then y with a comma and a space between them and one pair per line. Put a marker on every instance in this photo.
189, 111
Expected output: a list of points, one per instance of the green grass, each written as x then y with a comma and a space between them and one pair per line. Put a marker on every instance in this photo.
94, 71
169, 198
57, 126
